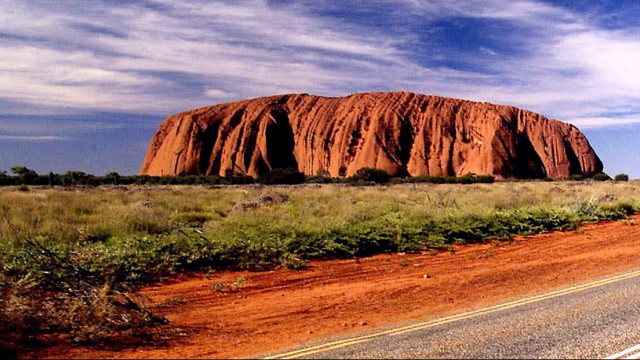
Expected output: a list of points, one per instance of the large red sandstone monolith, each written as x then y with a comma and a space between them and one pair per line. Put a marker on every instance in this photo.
398, 132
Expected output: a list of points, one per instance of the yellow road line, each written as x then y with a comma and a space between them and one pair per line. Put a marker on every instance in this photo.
424, 325
624, 352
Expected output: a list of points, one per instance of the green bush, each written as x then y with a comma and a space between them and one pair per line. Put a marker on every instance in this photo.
322, 177
370, 175
621, 177
473, 179
146, 224
24, 174
601, 177
192, 219
99, 235
576, 177
485, 179
5, 179
428, 179
48, 290
282, 176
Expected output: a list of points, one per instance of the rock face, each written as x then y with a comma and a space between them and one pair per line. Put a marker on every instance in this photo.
395, 131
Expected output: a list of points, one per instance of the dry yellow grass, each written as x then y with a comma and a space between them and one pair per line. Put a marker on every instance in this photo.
117, 212
95, 244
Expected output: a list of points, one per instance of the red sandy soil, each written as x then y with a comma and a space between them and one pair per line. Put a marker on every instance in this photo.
279, 309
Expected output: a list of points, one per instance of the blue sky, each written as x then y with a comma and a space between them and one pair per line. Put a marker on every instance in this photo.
84, 84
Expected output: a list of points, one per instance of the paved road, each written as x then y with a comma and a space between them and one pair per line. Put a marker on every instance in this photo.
596, 320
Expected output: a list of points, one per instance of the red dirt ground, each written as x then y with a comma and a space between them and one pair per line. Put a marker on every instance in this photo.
279, 309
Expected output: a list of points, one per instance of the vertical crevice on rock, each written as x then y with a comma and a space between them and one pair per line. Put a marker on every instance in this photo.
236, 119
261, 166
574, 162
405, 142
250, 143
177, 162
209, 138
449, 164
527, 163
280, 141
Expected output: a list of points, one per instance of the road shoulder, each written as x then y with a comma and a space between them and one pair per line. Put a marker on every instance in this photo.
276, 310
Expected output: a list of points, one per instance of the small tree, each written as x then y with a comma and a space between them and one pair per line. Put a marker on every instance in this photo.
576, 177
486, 179
322, 177
5, 179
51, 179
74, 177
466, 179
282, 176
601, 177
369, 174
24, 174
621, 177
112, 178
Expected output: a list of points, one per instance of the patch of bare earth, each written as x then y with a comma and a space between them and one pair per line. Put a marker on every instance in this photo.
279, 309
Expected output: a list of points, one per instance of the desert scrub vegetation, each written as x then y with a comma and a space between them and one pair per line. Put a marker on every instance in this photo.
23, 176
73, 258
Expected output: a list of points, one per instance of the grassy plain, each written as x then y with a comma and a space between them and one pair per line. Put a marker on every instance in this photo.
75, 256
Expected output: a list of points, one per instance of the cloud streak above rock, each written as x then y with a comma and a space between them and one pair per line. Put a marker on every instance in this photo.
160, 57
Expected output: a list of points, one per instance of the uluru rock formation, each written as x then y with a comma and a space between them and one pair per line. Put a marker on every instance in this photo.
400, 132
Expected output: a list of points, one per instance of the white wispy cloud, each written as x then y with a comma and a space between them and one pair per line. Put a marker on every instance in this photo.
604, 121
240, 49
54, 127
164, 56
46, 129
573, 70
33, 138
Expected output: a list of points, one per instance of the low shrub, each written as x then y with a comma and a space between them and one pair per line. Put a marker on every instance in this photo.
192, 218
146, 224
601, 177
282, 176
272, 198
429, 179
621, 177
99, 234
49, 292
370, 175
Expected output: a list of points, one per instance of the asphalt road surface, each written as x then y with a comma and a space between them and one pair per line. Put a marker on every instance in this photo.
596, 320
